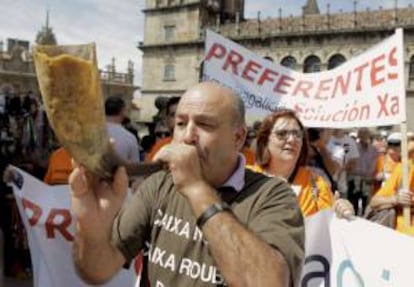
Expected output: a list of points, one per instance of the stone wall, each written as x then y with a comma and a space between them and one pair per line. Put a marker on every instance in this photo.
324, 36
185, 22
289, 26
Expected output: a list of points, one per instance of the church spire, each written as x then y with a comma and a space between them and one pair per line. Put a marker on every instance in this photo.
311, 7
46, 36
47, 18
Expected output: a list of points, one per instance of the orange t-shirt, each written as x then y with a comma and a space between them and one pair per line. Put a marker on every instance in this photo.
249, 155
312, 191
59, 167
156, 147
385, 164
391, 187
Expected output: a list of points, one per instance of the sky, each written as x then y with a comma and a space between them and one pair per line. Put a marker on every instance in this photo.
116, 26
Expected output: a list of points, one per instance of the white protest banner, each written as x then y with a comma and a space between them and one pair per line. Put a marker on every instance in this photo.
367, 90
357, 253
339, 253
45, 211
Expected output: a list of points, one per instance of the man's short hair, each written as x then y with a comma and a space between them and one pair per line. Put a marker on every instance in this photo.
239, 109
114, 105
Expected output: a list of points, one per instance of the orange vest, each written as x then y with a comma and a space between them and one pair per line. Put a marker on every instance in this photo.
249, 155
312, 191
391, 187
385, 164
59, 167
156, 147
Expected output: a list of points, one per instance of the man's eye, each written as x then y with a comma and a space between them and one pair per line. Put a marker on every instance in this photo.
206, 125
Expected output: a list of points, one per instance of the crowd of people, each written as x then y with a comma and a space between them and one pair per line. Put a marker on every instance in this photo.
231, 182
26, 141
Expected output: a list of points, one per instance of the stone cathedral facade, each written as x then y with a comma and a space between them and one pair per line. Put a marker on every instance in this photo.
173, 44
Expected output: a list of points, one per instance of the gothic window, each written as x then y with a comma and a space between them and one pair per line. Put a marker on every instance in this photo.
335, 61
169, 33
268, 58
169, 72
289, 62
312, 64
411, 71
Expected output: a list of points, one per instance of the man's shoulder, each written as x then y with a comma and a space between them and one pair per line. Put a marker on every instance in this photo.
160, 176
256, 182
158, 182
115, 130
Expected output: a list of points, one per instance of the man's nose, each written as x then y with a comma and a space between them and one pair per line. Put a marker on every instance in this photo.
191, 135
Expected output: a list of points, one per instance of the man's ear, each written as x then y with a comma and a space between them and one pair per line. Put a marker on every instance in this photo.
240, 136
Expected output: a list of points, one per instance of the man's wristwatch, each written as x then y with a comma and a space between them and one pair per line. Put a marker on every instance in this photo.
211, 211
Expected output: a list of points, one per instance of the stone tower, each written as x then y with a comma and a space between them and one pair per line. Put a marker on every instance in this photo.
214, 12
46, 36
311, 7
173, 43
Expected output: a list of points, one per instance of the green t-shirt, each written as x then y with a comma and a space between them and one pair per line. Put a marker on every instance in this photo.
178, 253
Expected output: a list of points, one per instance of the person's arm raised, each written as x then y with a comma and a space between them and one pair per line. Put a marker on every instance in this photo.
389, 195
95, 203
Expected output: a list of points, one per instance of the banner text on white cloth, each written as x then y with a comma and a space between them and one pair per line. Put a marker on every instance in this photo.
367, 90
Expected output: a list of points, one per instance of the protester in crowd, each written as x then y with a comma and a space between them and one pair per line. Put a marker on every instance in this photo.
59, 168
392, 194
251, 136
147, 143
17, 261
7, 141
282, 150
127, 124
387, 162
353, 135
379, 141
164, 139
247, 151
35, 140
256, 128
126, 145
320, 159
344, 151
4, 218
161, 132
14, 104
2, 105
27, 101
361, 178
257, 241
